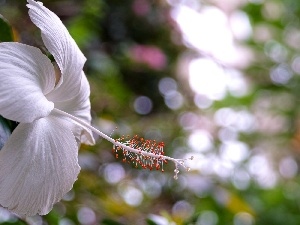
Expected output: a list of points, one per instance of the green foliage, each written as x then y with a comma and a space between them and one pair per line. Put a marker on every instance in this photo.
6, 30
110, 222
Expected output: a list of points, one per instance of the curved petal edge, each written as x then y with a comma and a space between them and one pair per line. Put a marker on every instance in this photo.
62, 46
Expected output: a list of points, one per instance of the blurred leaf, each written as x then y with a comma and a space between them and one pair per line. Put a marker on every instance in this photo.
110, 222
150, 222
236, 204
80, 32
6, 33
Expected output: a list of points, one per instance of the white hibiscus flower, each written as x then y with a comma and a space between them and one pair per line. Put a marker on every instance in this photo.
39, 161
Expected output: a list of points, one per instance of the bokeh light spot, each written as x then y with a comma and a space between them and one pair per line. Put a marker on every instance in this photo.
260, 169
236, 83
200, 141
227, 134
207, 78
275, 51
188, 120
207, 218
114, 173
281, 74
243, 218
152, 187
240, 25
66, 221
174, 100
69, 196
296, 65
131, 195
288, 167
143, 105
241, 120
202, 101
167, 85
234, 151
36, 220
86, 216
183, 209
241, 179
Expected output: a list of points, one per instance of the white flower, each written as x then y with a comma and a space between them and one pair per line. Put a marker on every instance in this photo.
39, 162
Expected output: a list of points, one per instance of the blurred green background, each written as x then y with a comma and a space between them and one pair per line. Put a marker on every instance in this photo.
216, 79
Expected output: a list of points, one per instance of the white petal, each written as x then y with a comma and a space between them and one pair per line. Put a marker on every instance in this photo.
38, 166
26, 75
80, 107
62, 46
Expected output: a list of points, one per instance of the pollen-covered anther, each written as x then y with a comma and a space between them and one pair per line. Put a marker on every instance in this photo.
143, 153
